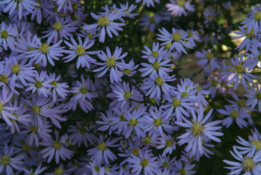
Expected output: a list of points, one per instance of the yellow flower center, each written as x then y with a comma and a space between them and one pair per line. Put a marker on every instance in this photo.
16, 68
157, 122
239, 68
248, 164
1, 106
54, 83
165, 164
4, 78
135, 152
5, 160
102, 146
57, 26
26, 147
4, 34
38, 84
127, 95
44, 48
82, 130
258, 95
57, 144
147, 140
83, 90
182, 171
214, 83
133, 122
144, 162
36, 109
127, 71
103, 21
34, 129
181, 3
74, 6
209, 55
107, 169
234, 114
58, 171
184, 94
97, 168
122, 118
257, 144
251, 34
80, 50
156, 65
169, 143
176, 37
111, 62
155, 54
153, 100
159, 81
176, 102
197, 128
257, 16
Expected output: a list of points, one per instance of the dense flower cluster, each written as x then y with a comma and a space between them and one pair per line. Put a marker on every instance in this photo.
83, 92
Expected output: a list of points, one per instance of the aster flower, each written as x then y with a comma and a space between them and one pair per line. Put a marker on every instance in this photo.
8, 161
155, 52
177, 39
249, 164
209, 14
37, 171
156, 85
145, 163
80, 51
148, 3
8, 33
208, 59
110, 64
246, 146
239, 72
167, 142
13, 5
105, 23
184, 168
198, 129
41, 52
128, 10
128, 69
55, 148
254, 97
180, 7
102, 152
60, 29
234, 114
255, 54
157, 66
253, 21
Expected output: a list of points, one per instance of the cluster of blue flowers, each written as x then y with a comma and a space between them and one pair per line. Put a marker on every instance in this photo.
74, 102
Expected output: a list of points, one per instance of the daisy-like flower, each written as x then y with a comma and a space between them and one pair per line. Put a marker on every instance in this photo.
41, 52
157, 66
40, 84
5, 108
60, 29
128, 10
208, 59
255, 53
210, 14
253, 21
254, 97
197, 130
55, 148
246, 146
145, 163
148, 3
8, 34
234, 114
180, 7
128, 69
80, 51
156, 85
110, 64
102, 152
19, 6
106, 23
239, 72
123, 94
135, 123
8, 161
167, 142
155, 52
249, 164
184, 168
178, 39
156, 121
80, 135
37, 171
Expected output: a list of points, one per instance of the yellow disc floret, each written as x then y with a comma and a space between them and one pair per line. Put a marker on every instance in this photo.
103, 21
197, 128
